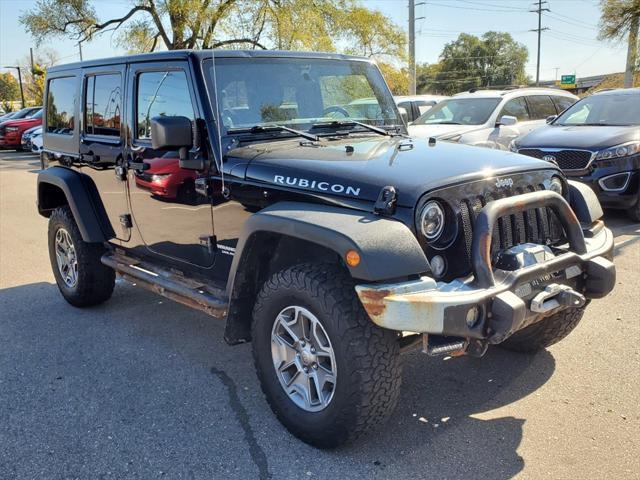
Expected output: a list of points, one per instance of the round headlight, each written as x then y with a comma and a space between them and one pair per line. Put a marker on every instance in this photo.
556, 185
432, 220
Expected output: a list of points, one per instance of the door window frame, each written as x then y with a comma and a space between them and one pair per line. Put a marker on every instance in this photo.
135, 70
94, 72
526, 106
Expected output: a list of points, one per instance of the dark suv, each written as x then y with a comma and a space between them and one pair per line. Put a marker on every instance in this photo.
596, 141
332, 242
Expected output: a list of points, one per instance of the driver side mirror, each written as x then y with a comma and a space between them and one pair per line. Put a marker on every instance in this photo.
507, 121
551, 118
175, 133
404, 115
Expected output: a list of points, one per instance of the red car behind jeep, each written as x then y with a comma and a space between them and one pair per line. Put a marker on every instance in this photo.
11, 130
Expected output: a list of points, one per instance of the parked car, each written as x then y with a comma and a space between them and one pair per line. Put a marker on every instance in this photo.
596, 141
27, 135
24, 113
37, 142
322, 240
416, 105
11, 130
491, 118
165, 179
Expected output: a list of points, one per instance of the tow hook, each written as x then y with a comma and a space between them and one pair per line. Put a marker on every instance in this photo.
556, 296
435, 345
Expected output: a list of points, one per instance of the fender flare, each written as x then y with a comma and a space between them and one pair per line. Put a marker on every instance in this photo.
584, 202
387, 248
83, 200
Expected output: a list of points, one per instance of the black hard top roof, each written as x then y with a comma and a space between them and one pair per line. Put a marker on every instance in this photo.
202, 54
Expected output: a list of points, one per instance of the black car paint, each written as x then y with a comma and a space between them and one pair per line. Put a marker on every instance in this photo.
251, 164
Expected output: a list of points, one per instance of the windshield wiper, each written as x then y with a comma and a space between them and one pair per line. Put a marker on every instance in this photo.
346, 123
273, 128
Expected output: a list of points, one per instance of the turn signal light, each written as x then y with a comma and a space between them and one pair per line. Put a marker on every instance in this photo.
352, 258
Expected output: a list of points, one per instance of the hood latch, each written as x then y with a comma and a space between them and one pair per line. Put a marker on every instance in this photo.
386, 202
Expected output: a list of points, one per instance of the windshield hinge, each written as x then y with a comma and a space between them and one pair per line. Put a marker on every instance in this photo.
386, 202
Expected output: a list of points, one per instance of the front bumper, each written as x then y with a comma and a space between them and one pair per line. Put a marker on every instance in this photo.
495, 303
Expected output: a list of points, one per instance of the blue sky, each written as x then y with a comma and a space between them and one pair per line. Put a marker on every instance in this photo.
570, 44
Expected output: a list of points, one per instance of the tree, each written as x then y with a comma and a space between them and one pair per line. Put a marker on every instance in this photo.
326, 25
620, 19
397, 78
470, 61
9, 88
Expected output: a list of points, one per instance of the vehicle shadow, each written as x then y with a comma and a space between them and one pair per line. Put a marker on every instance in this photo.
438, 429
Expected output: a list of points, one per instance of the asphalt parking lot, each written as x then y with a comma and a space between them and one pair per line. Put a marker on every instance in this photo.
141, 387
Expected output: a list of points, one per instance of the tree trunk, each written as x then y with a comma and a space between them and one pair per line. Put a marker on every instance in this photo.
632, 53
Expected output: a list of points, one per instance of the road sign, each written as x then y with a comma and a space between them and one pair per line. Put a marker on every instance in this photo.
568, 80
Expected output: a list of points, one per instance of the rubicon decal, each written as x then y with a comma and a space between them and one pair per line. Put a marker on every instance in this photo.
316, 185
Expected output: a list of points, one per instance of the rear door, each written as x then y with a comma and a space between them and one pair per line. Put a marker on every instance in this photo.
173, 220
102, 141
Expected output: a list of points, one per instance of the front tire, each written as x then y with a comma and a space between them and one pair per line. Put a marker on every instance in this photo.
546, 332
357, 361
634, 212
81, 277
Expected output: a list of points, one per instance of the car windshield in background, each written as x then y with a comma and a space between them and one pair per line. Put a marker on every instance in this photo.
611, 109
299, 92
459, 111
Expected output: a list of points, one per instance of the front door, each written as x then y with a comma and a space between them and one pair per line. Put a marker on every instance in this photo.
173, 220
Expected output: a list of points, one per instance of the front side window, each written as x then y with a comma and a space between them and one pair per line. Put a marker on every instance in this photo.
562, 103
103, 105
516, 107
299, 92
541, 107
424, 106
459, 111
61, 101
161, 94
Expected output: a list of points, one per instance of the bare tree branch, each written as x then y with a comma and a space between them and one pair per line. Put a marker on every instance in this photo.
238, 40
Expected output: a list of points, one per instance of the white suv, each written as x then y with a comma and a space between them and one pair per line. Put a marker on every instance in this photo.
491, 118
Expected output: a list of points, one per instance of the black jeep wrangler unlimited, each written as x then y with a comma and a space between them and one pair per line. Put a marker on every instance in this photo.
280, 193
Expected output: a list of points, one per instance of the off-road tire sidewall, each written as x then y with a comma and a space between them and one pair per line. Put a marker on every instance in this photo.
95, 281
367, 357
546, 332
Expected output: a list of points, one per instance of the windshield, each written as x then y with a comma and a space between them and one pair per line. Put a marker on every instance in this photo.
299, 92
611, 109
461, 111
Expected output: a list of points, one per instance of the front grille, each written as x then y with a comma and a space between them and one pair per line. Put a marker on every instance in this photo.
566, 159
2, 131
537, 225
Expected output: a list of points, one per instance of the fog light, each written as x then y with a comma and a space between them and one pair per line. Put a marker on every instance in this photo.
615, 183
438, 265
473, 315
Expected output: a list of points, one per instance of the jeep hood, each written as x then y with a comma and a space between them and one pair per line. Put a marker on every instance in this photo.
359, 167
586, 137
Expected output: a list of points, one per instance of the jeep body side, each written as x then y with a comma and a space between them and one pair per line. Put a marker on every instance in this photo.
319, 231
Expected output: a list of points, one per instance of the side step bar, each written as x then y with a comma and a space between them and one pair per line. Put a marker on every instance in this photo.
169, 284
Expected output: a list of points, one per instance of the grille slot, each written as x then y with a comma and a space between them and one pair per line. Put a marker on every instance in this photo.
566, 159
537, 225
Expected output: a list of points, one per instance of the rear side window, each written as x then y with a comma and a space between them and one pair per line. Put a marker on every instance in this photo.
541, 107
103, 105
516, 107
61, 101
562, 103
161, 94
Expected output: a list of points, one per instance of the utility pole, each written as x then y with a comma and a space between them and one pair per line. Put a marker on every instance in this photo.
539, 5
80, 49
412, 45
31, 55
632, 52
556, 69
20, 82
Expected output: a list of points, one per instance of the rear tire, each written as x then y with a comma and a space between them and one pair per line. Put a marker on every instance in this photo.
545, 332
366, 362
81, 277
